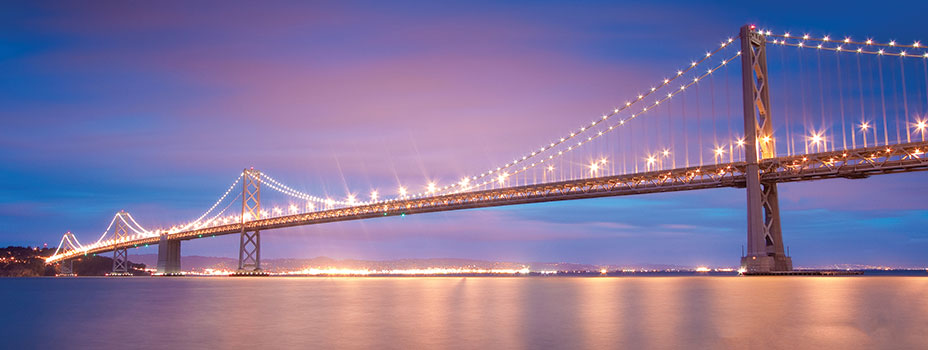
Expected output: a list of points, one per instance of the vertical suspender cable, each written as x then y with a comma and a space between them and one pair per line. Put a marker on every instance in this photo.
841, 105
905, 100
879, 66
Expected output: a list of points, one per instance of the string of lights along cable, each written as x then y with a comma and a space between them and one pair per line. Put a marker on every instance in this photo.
835, 102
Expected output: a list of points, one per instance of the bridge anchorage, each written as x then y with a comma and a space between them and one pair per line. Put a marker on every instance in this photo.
168, 256
765, 240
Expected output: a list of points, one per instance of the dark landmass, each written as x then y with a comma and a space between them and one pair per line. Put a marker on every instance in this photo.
30, 262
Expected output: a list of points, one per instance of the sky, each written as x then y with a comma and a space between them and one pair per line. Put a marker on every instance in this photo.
155, 107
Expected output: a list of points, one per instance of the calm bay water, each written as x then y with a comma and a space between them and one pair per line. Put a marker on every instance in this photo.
465, 312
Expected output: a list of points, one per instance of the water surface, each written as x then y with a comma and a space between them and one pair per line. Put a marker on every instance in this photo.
466, 312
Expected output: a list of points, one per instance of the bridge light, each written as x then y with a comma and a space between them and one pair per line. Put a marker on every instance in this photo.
431, 187
864, 126
719, 151
278, 211
921, 125
310, 206
502, 177
666, 153
550, 168
293, 209
351, 199
740, 142
602, 161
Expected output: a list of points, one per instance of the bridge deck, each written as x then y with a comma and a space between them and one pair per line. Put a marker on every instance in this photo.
856, 163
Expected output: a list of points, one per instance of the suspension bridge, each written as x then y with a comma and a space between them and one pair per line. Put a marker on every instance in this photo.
800, 108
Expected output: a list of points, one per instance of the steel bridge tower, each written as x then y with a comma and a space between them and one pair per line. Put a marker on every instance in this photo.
249, 252
66, 267
120, 254
765, 239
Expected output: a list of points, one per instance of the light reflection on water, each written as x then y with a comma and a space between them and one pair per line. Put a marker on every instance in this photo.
471, 312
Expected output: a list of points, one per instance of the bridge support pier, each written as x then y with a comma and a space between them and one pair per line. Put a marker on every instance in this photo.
765, 240
249, 254
66, 268
168, 257
120, 261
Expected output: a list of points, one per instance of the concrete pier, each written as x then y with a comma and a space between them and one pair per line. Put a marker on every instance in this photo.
168, 256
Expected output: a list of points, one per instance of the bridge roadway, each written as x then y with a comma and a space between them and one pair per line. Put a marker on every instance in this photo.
856, 163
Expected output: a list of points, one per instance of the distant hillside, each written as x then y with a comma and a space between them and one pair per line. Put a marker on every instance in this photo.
199, 263
30, 262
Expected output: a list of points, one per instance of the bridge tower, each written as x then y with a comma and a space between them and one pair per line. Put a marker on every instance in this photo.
120, 254
765, 240
66, 267
249, 252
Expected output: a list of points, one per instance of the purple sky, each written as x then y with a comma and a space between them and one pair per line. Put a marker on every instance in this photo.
155, 107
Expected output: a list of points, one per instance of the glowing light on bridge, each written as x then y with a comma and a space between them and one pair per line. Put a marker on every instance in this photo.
816, 138
719, 152
920, 126
502, 177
